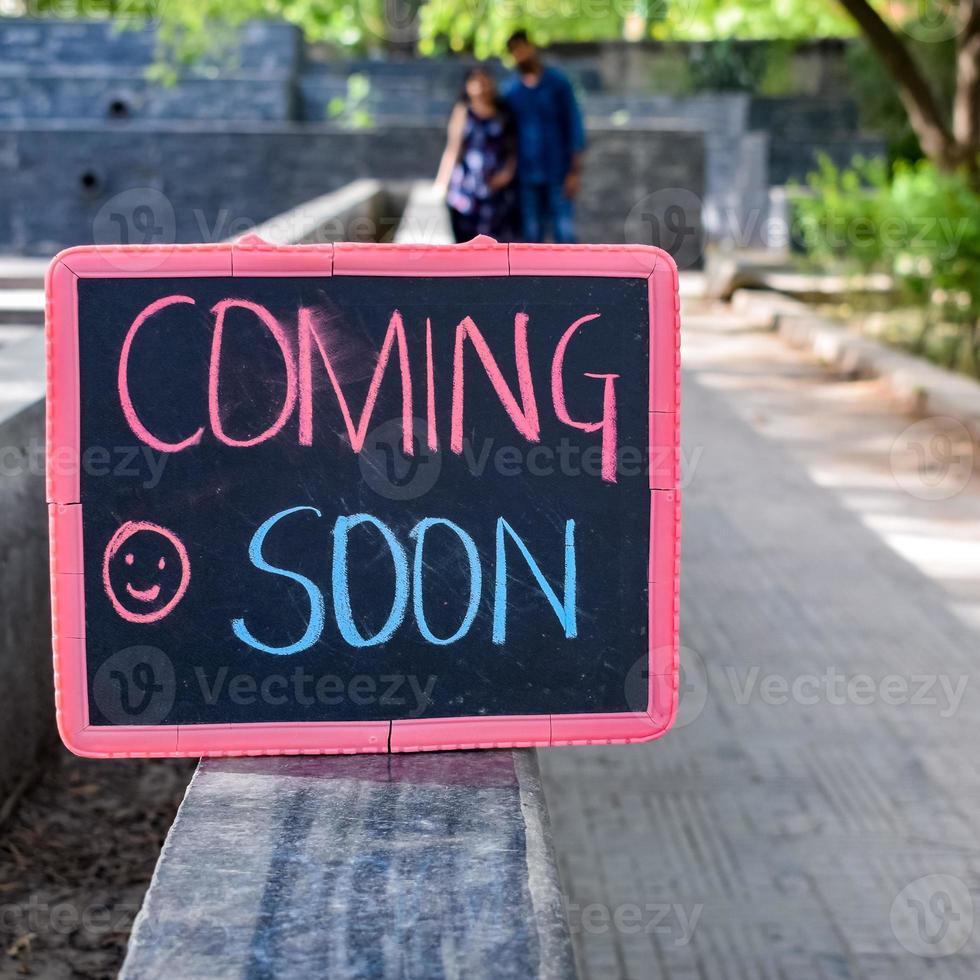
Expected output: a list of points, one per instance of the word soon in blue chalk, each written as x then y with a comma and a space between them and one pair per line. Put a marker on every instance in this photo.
408, 582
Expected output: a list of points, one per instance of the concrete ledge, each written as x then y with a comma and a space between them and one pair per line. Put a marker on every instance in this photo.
21, 378
354, 212
20, 306
759, 270
20, 272
360, 866
27, 707
924, 387
425, 219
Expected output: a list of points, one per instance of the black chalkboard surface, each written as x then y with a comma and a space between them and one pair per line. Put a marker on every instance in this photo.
325, 499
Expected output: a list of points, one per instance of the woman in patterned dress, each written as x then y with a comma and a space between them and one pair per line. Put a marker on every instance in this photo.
480, 162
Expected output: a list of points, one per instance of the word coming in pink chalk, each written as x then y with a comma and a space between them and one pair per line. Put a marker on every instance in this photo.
311, 352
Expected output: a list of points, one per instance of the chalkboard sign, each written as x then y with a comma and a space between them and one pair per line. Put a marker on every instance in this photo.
362, 498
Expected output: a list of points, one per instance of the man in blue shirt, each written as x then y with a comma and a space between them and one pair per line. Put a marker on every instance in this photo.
550, 143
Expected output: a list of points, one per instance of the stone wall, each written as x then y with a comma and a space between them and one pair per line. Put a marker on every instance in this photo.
87, 70
184, 182
27, 718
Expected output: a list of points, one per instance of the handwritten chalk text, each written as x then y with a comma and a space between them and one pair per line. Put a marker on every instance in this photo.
309, 357
409, 581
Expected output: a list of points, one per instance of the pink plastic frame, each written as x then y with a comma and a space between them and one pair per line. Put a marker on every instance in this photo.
251, 256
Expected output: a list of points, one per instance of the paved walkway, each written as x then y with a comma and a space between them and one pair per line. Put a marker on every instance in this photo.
817, 812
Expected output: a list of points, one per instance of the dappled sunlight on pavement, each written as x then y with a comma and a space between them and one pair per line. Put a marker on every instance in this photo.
915, 481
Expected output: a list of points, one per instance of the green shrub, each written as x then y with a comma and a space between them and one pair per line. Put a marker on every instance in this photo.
352, 110
727, 66
840, 217
919, 225
941, 247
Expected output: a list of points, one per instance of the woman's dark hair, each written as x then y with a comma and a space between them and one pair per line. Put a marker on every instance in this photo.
470, 72
498, 102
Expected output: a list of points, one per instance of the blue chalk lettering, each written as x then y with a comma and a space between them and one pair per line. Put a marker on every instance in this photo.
476, 579
341, 584
315, 626
565, 612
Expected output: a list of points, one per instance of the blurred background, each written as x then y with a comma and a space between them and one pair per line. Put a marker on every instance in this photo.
714, 127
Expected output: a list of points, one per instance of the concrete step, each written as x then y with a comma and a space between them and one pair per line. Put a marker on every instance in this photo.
21, 385
22, 272
22, 306
14, 333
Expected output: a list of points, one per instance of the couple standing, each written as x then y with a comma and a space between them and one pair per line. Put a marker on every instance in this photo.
512, 163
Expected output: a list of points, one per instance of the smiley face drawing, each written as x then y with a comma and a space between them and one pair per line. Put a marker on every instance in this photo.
145, 571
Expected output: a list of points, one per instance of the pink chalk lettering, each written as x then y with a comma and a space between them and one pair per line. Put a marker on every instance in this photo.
126, 401
214, 372
608, 422
525, 417
432, 439
309, 330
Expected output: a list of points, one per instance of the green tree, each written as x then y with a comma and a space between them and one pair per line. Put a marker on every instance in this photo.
948, 133
711, 20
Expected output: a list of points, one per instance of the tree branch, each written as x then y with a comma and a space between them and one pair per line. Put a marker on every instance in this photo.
966, 102
917, 96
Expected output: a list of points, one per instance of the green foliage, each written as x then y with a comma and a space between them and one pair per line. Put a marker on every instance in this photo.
938, 248
192, 43
727, 66
480, 26
483, 26
352, 110
778, 77
192, 31
709, 20
840, 216
91, 8
914, 222
670, 72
